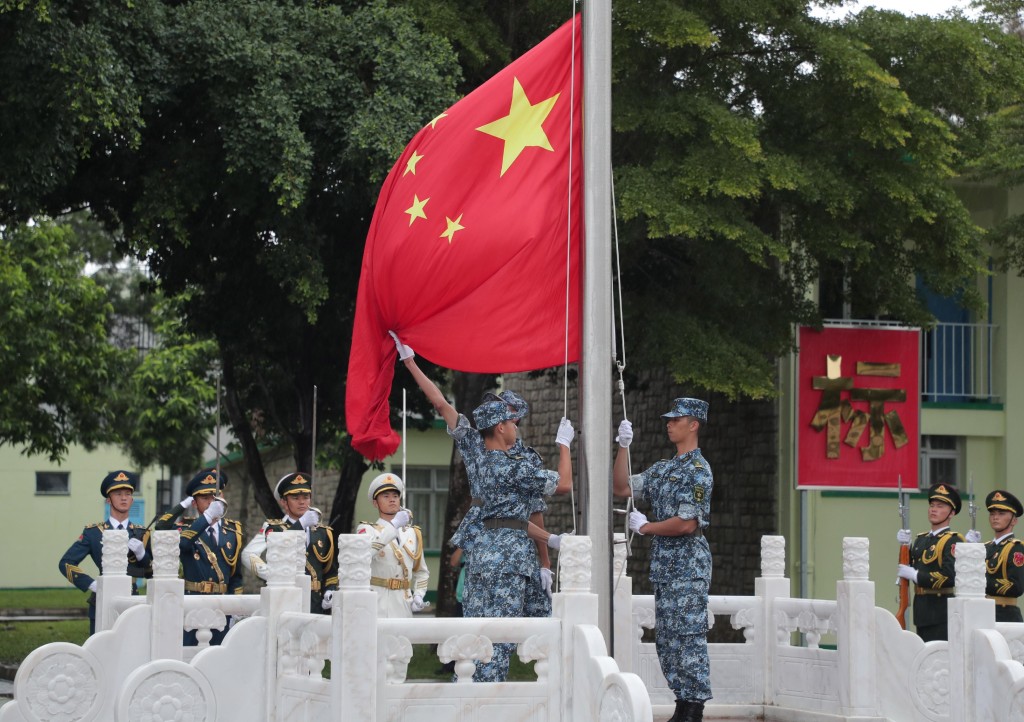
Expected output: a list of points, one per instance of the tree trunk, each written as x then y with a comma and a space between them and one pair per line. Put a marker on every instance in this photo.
343, 508
250, 451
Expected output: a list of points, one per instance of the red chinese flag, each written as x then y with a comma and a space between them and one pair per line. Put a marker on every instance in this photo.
473, 252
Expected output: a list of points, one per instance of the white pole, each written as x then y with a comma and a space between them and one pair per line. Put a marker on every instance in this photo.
596, 366
404, 436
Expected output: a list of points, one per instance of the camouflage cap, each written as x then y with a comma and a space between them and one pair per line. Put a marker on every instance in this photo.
946, 493
517, 402
688, 407
298, 482
119, 479
1000, 500
492, 413
205, 482
385, 482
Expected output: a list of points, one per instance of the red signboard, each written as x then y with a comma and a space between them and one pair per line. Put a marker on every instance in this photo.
858, 404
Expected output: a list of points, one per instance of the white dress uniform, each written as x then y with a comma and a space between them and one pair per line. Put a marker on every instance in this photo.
397, 568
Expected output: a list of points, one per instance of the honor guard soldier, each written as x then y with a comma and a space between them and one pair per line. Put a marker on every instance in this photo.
118, 488
398, 571
679, 492
294, 492
1004, 556
209, 547
931, 567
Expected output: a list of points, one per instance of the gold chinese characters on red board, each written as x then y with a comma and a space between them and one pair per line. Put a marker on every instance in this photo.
858, 407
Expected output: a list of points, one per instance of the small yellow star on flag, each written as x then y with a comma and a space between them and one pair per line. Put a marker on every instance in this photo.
522, 127
416, 209
433, 123
453, 227
410, 165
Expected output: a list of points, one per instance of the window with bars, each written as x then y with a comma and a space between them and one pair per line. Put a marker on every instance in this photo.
53, 483
942, 461
426, 495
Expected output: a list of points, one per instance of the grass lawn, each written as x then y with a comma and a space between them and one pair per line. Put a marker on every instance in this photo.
17, 639
60, 598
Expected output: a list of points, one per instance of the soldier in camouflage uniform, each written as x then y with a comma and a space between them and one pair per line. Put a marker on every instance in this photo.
504, 560
679, 492
931, 567
294, 492
209, 546
1004, 556
470, 444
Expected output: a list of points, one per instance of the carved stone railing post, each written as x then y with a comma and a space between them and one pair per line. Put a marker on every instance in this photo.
771, 585
622, 594
855, 631
573, 604
166, 596
286, 550
354, 645
114, 581
968, 611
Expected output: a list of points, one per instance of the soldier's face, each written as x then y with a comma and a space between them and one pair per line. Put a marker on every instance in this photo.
680, 428
939, 512
121, 500
296, 504
202, 502
388, 502
1001, 521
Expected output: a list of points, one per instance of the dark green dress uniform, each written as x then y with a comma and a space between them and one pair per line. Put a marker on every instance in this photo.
210, 562
90, 544
1004, 562
932, 556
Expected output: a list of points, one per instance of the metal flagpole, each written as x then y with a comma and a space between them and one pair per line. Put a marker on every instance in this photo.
596, 365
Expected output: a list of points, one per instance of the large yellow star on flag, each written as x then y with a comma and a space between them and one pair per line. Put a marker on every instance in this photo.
453, 227
416, 209
522, 127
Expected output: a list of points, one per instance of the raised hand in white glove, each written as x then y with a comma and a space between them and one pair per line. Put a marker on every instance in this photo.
545, 580
636, 520
417, 604
907, 572
903, 536
973, 536
625, 436
92, 586
328, 601
214, 511
310, 519
404, 351
565, 432
555, 541
187, 502
401, 519
136, 547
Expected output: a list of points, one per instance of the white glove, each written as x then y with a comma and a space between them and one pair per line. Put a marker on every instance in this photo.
187, 502
555, 541
636, 520
625, 437
404, 351
903, 536
973, 536
310, 519
545, 580
417, 603
401, 519
908, 573
214, 511
136, 547
565, 432
328, 601
92, 586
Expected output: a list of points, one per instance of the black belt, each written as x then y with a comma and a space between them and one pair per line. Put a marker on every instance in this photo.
506, 524
476, 501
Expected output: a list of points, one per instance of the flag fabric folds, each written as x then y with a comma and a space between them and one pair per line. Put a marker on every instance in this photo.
475, 236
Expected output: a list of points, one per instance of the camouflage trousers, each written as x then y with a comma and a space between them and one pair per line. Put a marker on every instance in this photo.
681, 637
495, 595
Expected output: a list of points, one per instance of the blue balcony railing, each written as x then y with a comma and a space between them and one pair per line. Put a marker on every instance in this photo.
956, 363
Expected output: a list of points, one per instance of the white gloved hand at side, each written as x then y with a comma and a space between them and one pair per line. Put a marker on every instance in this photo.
404, 352
903, 536
328, 601
565, 432
310, 519
555, 541
636, 520
187, 502
908, 573
417, 604
92, 586
625, 435
136, 547
214, 511
545, 580
401, 519
973, 536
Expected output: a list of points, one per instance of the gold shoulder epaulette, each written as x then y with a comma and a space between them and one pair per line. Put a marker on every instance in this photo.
93, 526
272, 522
924, 533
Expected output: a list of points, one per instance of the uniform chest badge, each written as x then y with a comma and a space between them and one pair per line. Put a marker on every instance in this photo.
698, 494
1018, 559
228, 545
932, 548
196, 555
320, 543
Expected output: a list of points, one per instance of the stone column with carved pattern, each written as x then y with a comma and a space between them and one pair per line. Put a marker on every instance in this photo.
574, 603
622, 595
114, 582
354, 632
771, 585
286, 558
967, 611
165, 593
855, 630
